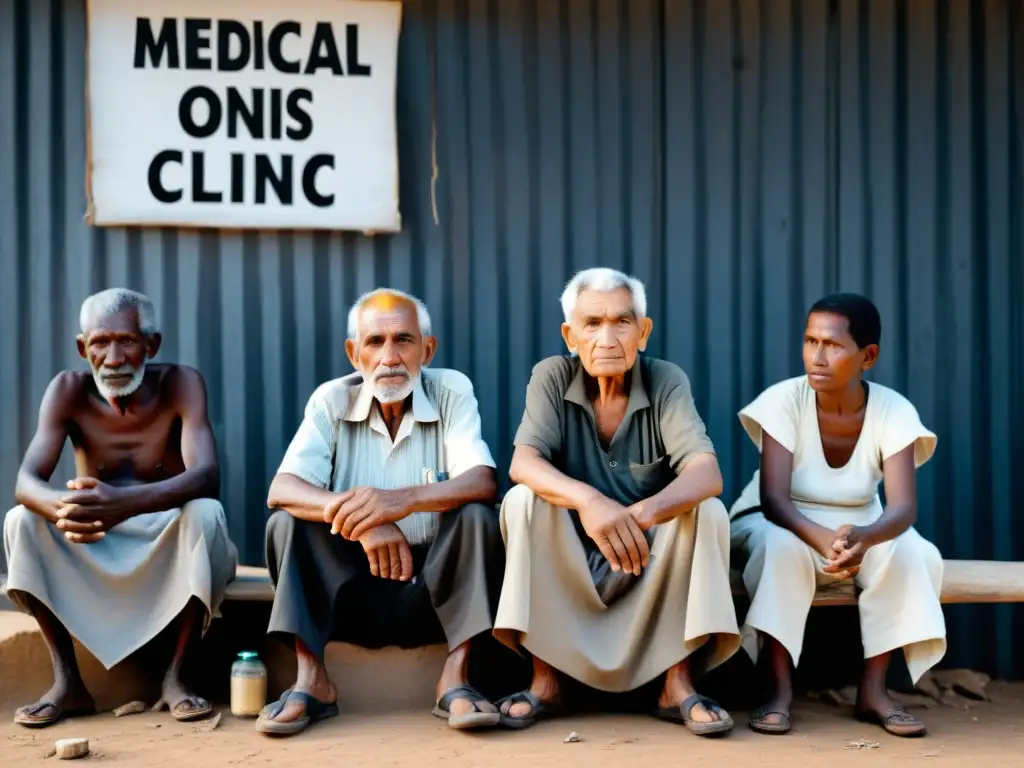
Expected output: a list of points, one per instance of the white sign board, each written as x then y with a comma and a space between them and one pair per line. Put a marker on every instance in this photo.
244, 113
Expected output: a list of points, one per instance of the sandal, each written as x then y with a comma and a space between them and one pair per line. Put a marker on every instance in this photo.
477, 718
758, 725
539, 710
29, 720
680, 715
191, 708
898, 722
315, 710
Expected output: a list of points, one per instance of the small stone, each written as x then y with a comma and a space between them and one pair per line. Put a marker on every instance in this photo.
71, 749
210, 724
862, 744
966, 682
131, 708
572, 738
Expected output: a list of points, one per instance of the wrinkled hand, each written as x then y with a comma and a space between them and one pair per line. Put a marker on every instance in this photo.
616, 534
848, 548
388, 552
89, 510
361, 509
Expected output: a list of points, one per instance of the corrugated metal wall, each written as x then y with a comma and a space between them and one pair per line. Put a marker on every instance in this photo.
740, 157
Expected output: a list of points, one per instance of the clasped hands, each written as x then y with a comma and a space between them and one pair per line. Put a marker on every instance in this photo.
368, 515
90, 509
618, 532
845, 553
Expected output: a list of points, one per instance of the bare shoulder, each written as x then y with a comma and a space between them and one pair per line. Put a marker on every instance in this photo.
182, 384
65, 390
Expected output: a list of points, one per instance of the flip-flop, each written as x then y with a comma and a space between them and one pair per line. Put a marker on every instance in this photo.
758, 725
898, 721
474, 719
681, 716
315, 710
539, 710
26, 720
184, 714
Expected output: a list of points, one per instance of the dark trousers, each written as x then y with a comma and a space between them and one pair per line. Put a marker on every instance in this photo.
323, 589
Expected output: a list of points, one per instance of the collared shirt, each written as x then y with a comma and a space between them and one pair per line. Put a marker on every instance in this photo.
659, 435
344, 442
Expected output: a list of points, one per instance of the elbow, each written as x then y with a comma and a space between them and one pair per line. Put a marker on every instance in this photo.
22, 489
515, 471
211, 482
715, 483
489, 486
275, 495
770, 505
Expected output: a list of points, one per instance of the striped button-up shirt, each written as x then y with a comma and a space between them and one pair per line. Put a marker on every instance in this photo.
344, 442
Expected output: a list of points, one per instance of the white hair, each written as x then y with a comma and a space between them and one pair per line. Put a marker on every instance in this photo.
113, 301
421, 310
604, 280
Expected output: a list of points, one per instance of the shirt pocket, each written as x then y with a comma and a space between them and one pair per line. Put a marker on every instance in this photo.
652, 478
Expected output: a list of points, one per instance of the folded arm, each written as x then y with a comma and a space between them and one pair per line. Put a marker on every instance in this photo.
33, 489
701, 479
201, 478
852, 541
777, 502
530, 468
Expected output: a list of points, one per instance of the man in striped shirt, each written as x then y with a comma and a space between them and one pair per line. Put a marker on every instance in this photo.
384, 530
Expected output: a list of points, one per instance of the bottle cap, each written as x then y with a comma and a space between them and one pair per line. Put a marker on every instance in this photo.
248, 655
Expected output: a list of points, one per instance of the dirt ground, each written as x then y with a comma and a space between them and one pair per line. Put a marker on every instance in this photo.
983, 733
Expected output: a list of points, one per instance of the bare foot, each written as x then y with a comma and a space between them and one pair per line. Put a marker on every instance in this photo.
678, 688
456, 674
544, 686
62, 698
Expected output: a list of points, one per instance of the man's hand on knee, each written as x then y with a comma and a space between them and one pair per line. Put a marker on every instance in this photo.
616, 533
388, 552
358, 510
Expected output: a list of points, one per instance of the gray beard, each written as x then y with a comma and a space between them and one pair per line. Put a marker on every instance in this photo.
111, 392
394, 394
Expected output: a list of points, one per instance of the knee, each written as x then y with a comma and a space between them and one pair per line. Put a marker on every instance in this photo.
516, 510
479, 517
206, 513
782, 547
16, 520
279, 523
518, 496
912, 548
712, 514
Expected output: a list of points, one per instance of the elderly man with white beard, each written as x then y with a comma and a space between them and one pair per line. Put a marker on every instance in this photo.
137, 541
384, 530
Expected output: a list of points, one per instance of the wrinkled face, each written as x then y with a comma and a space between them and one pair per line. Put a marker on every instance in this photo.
389, 349
832, 359
117, 352
605, 333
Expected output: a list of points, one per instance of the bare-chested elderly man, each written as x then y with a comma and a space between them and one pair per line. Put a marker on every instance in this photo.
137, 541
617, 547
385, 531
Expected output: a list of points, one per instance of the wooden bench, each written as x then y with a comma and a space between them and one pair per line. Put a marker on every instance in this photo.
964, 581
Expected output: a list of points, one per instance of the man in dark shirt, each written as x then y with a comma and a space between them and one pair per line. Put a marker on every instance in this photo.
617, 549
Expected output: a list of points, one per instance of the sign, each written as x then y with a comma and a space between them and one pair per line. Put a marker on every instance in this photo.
243, 113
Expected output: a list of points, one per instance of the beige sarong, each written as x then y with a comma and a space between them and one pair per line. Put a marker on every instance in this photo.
119, 593
901, 581
550, 606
